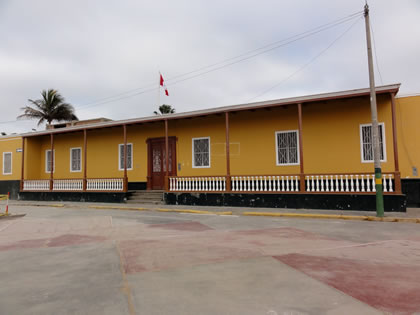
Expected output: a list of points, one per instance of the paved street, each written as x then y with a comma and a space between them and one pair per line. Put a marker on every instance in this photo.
86, 261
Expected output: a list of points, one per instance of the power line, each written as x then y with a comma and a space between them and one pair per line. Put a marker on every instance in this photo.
320, 28
254, 55
263, 49
213, 67
306, 64
374, 50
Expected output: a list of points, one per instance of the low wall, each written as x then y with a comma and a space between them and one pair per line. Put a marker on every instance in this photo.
11, 186
291, 201
73, 196
411, 188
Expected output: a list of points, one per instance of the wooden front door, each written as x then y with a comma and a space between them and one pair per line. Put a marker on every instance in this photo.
157, 162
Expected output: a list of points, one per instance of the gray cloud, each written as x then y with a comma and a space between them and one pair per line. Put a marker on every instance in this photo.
90, 50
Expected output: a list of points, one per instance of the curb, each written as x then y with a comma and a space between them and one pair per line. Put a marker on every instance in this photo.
196, 211
332, 216
162, 210
57, 205
9, 216
118, 208
247, 213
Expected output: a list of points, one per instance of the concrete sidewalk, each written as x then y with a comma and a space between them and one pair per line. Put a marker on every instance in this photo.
73, 259
412, 213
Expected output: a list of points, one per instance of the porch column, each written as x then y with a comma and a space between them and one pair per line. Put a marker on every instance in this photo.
22, 176
52, 162
228, 179
302, 169
166, 156
125, 188
84, 159
397, 175
149, 164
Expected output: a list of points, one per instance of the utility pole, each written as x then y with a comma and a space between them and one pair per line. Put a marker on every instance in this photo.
375, 128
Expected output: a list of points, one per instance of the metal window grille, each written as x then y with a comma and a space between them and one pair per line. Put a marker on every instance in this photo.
7, 163
201, 152
49, 160
287, 147
76, 163
367, 142
129, 156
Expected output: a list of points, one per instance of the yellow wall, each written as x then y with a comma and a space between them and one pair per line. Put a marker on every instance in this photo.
408, 122
254, 142
331, 135
62, 145
186, 130
331, 142
10, 144
102, 152
32, 153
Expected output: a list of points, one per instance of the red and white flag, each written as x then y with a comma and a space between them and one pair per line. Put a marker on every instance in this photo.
162, 84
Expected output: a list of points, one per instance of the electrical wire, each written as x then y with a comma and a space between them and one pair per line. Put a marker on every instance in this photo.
215, 66
316, 29
306, 64
222, 64
374, 50
254, 55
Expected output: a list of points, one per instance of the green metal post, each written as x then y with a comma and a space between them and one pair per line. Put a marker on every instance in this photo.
379, 193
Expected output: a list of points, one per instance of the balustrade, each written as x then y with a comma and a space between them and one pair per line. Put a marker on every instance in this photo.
205, 183
347, 183
68, 184
275, 183
36, 184
105, 184
316, 183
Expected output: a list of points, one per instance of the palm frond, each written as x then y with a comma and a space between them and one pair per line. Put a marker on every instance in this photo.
49, 108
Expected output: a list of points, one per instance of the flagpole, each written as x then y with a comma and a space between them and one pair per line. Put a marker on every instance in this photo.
158, 95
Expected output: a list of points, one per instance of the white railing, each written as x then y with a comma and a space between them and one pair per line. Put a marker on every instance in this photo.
36, 184
208, 183
285, 183
347, 183
105, 184
68, 184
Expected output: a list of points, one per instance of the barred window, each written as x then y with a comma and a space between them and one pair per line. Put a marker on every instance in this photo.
75, 159
129, 156
201, 152
7, 163
366, 142
49, 161
287, 147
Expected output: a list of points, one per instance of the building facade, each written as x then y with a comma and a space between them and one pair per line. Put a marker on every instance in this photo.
293, 152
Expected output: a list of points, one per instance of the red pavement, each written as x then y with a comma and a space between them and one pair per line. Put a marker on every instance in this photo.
384, 275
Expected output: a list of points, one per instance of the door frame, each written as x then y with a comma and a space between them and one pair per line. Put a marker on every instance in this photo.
171, 140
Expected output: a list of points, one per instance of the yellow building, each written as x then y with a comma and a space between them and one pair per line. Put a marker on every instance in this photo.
275, 153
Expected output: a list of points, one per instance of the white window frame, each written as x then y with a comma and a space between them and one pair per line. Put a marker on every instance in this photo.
119, 157
71, 162
11, 163
46, 161
192, 150
361, 142
277, 147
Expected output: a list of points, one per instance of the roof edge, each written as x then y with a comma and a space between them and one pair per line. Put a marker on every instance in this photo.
391, 88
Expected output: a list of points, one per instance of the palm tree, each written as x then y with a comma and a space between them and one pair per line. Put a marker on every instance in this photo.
165, 109
51, 107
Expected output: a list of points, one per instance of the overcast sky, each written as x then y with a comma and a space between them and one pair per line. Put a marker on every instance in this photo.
95, 52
